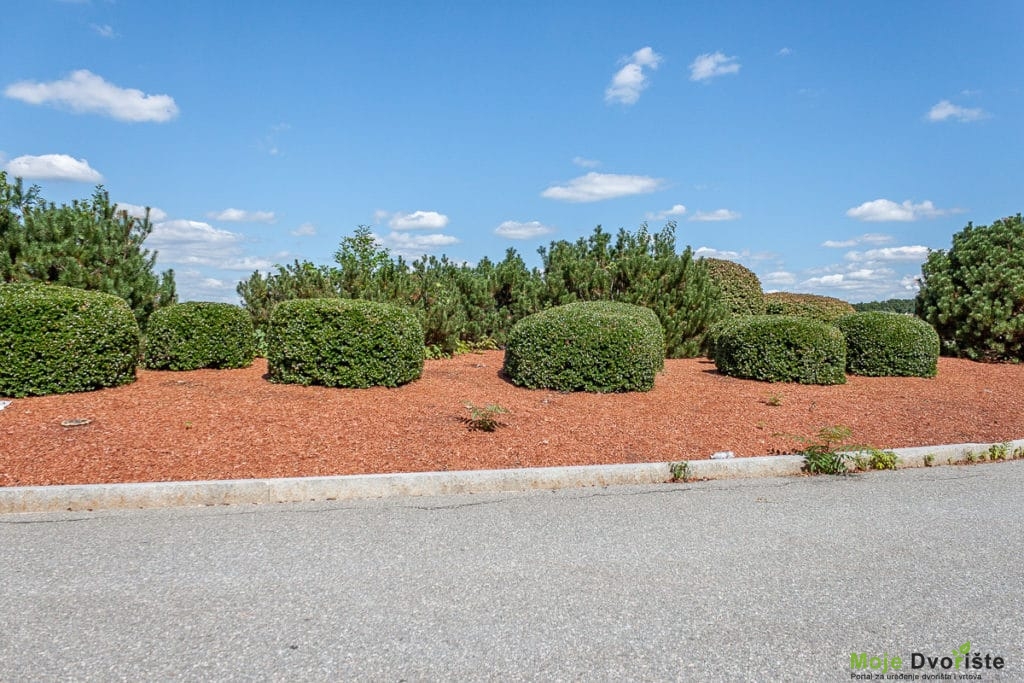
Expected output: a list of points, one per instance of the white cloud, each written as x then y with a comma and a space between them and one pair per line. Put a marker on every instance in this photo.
947, 110
583, 162
156, 215
84, 91
104, 31
784, 52
514, 230
629, 81
595, 187
915, 253
710, 65
417, 220
880, 210
709, 252
412, 245
53, 167
676, 210
779, 278
304, 230
196, 243
866, 238
242, 216
195, 285
716, 215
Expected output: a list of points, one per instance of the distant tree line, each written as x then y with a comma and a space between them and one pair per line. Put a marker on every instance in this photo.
460, 304
889, 305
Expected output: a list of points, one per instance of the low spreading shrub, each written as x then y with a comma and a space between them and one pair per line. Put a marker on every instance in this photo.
825, 308
197, 334
601, 346
889, 345
344, 343
57, 340
780, 348
739, 286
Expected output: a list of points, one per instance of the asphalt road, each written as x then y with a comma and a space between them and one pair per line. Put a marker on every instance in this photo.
772, 579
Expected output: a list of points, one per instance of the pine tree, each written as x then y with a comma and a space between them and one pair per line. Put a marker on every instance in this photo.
88, 244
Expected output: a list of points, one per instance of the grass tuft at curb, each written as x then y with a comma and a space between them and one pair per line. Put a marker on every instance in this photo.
36, 499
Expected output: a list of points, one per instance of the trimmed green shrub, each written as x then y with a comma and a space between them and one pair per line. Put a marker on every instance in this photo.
825, 308
889, 345
740, 286
344, 343
717, 330
199, 334
601, 346
973, 295
782, 348
58, 340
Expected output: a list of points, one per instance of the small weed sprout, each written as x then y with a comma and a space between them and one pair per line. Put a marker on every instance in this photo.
998, 451
680, 471
875, 459
929, 460
774, 400
483, 419
970, 457
820, 455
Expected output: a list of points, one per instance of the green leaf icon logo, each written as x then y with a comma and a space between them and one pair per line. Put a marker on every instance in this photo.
963, 649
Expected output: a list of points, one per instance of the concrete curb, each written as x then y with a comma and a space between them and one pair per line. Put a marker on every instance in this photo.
23, 499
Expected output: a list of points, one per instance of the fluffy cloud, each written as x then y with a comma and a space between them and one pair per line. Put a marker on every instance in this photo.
881, 210
676, 210
779, 278
417, 220
413, 246
583, 162
194, 285
945, 110
711, 65
861, 281
514, 230
784, 52
156, 215
304, 230
629, 81
200, 244
915, 253
242, 216
595, 187
867, 238
709, 252
716, 215
84, 91
53, 167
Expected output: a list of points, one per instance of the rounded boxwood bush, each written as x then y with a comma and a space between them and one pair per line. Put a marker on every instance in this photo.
889, 345
716, 330
825, 308
58, 340
782, 348
599, 346
199, 334
343, 343
739, 286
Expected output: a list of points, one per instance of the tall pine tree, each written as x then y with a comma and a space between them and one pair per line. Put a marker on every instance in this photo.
88, 244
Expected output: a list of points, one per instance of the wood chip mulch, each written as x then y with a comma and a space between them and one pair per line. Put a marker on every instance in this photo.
234, 424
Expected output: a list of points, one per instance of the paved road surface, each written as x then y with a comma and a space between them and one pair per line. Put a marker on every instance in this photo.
774, 579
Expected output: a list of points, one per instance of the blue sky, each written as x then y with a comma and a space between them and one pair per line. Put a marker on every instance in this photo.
825, 145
